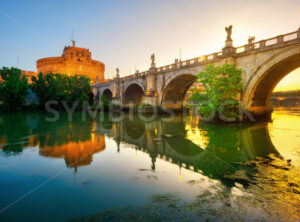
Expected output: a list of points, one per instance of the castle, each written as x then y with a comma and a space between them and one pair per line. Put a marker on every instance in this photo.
74, 60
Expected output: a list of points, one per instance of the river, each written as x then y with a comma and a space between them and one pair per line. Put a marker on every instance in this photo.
163, 169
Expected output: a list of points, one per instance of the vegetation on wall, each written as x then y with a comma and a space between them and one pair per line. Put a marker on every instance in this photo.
13, 89
219, 95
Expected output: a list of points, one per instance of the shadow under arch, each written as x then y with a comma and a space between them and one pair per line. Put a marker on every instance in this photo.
108, 94
134, 130
133, 94
257, 93
175, 91
228, 148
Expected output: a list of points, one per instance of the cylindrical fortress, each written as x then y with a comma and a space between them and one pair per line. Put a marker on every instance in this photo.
74, 60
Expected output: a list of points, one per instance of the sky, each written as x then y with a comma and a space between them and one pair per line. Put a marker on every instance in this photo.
124, 33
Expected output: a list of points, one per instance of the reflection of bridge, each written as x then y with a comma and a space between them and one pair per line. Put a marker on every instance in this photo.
264, 64
227, 147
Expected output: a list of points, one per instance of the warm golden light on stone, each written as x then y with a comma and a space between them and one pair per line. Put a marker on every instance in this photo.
74, 60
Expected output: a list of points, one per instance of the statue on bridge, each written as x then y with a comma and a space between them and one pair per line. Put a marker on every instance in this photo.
228, 29
118, 75
177, 63
152, 60
251, 39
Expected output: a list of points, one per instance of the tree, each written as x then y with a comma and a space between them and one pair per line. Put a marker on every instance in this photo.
60, 87
104, 102
221, 88
13, 89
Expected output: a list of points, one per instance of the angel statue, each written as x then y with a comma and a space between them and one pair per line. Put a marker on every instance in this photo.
153, 58
118, 75
251, 39
228, 29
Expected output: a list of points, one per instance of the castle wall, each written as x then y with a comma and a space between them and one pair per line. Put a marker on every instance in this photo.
73, 61
61, 65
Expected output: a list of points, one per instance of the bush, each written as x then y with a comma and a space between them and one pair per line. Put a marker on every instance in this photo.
13, 89
60, 87
104, 101
221, 88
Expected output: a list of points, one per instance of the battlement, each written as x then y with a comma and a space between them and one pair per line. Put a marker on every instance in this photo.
49, 60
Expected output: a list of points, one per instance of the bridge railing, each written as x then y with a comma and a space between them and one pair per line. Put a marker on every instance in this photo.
270, 43
265, 44
190, 62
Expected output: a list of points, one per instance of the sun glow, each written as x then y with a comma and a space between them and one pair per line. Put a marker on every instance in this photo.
290, 82
195, 134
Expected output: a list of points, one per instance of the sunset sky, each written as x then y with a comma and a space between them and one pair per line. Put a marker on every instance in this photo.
125, 33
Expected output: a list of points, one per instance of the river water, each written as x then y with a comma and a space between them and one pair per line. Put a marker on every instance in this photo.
163, 169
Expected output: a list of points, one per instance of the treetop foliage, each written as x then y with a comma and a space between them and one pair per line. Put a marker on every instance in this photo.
14, 88
221, 86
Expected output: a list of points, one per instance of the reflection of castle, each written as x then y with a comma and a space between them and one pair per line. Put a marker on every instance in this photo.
74, 60
76, 154
75, 142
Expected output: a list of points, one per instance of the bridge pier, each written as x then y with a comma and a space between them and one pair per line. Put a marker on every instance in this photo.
258, 113
151, 99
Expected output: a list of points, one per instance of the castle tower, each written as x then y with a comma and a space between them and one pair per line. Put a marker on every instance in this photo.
74, 60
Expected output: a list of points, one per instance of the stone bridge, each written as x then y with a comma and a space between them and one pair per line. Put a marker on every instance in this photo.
264, 64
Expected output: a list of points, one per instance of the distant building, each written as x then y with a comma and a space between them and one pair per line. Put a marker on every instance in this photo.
28, 74
74, 60
195, 86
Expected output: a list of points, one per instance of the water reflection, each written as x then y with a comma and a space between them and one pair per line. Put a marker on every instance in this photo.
232, 162
74, 141
214, 150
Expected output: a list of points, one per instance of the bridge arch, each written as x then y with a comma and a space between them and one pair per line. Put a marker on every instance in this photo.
175, 90
258, 89
107, 93
134, 93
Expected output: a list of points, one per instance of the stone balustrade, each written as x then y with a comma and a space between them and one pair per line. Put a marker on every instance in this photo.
266, 44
